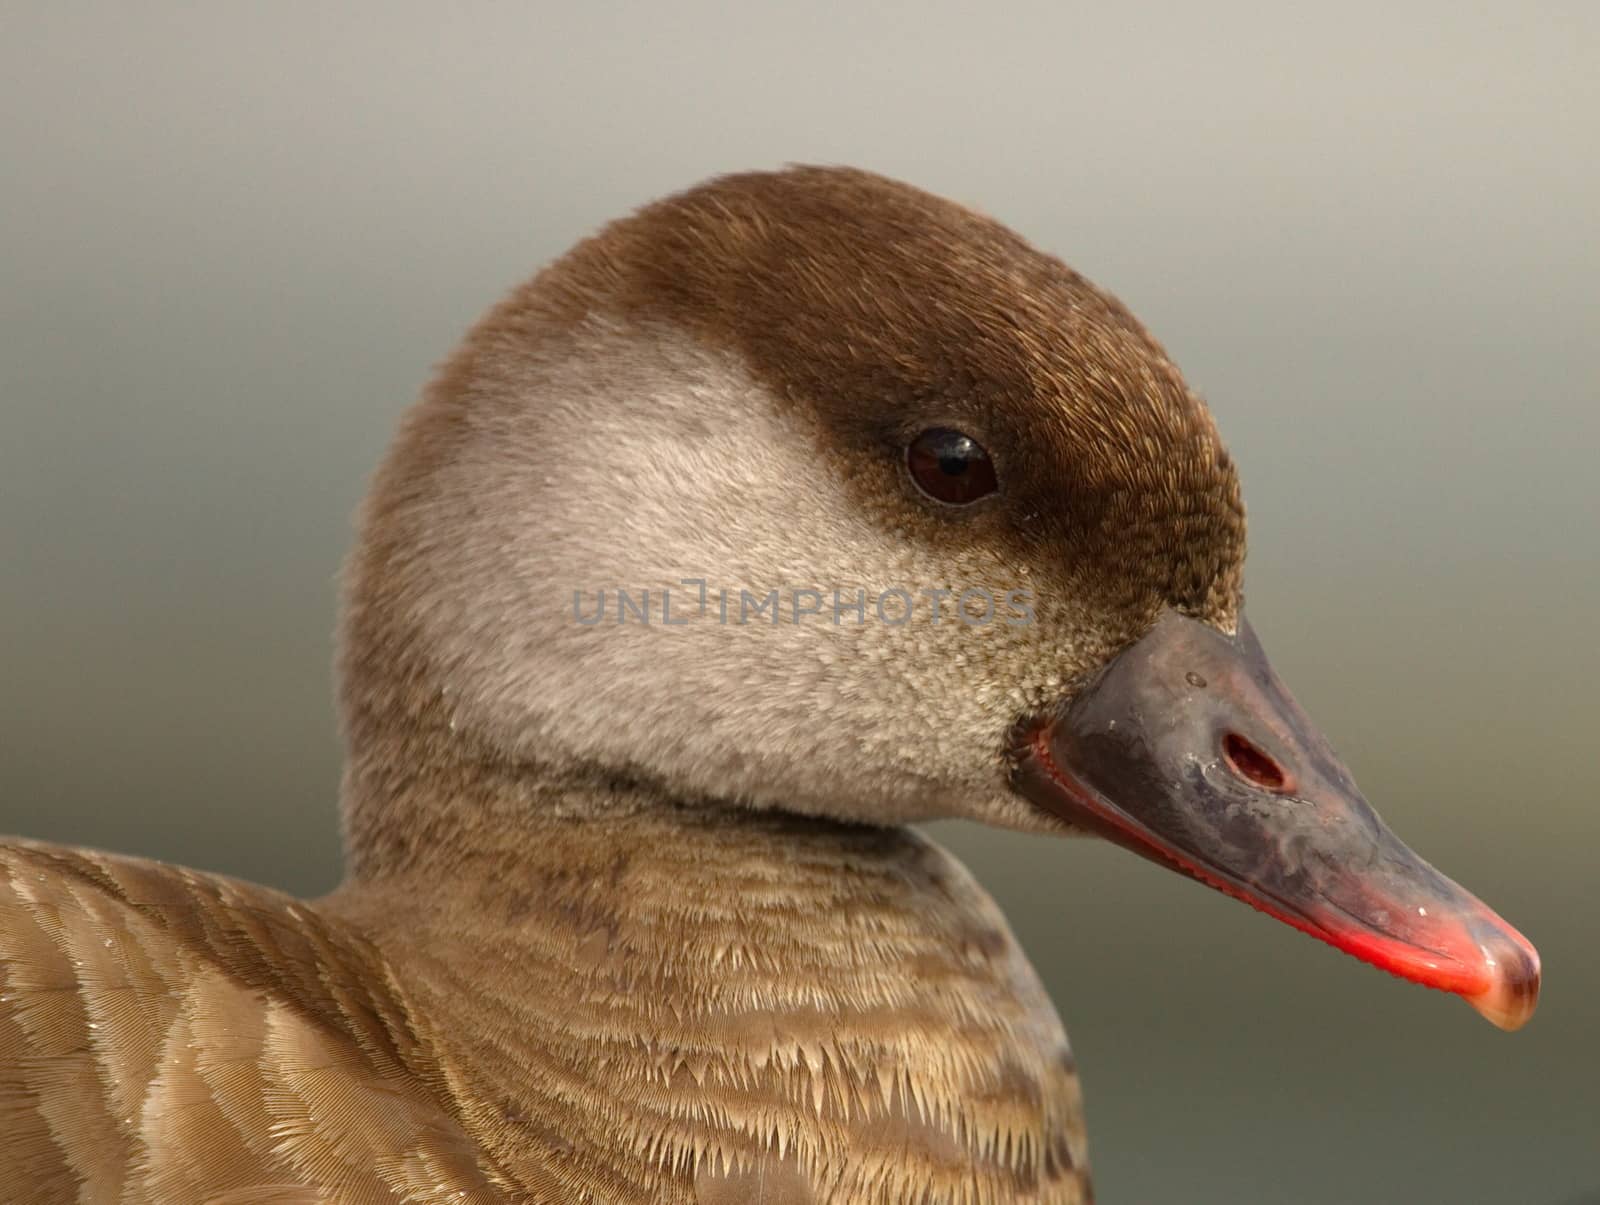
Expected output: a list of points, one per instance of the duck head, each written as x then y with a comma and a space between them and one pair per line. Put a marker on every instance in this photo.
809, 491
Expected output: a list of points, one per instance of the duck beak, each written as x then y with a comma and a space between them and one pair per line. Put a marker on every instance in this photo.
1188, 750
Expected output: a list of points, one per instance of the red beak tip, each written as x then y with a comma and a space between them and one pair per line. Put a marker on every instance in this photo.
1495, 972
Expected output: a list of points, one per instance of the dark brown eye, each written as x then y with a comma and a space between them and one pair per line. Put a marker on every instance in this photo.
950, 467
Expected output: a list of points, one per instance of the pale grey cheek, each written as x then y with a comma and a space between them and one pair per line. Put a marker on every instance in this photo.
664, 465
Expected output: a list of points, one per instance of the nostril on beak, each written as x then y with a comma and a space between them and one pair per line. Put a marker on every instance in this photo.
1253, 764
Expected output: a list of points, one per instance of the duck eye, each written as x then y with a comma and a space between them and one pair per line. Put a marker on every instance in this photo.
950, 467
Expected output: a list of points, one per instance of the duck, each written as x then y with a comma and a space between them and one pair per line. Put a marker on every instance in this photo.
777, 518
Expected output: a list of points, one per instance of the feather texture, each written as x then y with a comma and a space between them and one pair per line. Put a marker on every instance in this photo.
647, 1011
171, 1038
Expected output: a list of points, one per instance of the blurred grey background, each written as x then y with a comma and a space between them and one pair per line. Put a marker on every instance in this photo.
234, 239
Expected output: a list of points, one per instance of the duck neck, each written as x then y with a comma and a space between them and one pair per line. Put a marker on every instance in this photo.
847, 997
